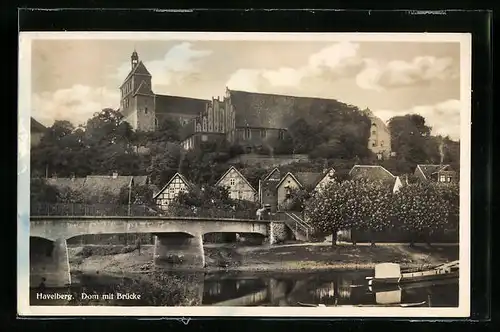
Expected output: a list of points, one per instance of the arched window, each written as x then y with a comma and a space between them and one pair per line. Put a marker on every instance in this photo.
204, 124
198, 127
210, 118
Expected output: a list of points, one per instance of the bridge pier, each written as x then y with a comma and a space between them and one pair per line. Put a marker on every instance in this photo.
179, 249
49, 260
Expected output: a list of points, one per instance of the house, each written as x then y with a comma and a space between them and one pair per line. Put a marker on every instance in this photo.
267, 189
327, 178
37, 132
436, 173
177, 184
237, 185
371, 172
299, 180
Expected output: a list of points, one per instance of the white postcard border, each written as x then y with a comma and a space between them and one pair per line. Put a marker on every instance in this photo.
24, 309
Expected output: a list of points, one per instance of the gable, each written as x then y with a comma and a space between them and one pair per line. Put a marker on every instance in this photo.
274, 175
289, 178
176, 182
233, 173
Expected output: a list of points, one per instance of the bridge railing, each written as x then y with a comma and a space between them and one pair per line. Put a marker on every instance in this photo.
78, 209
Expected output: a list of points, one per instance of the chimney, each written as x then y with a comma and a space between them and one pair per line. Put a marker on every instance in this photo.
115, 175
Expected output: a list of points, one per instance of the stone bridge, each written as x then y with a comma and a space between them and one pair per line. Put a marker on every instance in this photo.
174, 236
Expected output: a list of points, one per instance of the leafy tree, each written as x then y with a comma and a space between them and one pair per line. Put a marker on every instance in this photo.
421, 209
329, 210
165, 161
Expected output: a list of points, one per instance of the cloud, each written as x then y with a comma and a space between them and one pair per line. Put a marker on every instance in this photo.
395, 74
336, 61
343, 60
76, 104
180, 62
443, 117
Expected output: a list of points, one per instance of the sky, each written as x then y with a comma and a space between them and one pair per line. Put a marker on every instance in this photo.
73, 79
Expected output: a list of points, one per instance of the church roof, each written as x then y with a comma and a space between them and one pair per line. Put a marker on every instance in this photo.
140, 69
179, 105
278, 111
143, 89
37, 126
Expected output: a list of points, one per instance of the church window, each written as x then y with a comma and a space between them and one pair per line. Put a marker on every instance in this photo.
204, 124
263, 133
198, 127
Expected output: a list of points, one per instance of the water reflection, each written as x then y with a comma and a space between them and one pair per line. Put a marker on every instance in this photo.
223, 289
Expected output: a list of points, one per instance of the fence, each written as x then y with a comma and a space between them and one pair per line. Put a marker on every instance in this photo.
77, 209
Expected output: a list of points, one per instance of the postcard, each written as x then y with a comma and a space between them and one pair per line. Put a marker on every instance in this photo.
244, 174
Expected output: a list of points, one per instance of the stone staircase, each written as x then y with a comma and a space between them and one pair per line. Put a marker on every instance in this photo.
301, 229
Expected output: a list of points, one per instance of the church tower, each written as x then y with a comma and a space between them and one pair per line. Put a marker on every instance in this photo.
137, 97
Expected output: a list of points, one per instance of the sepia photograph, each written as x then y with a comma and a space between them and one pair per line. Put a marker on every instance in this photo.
244, 174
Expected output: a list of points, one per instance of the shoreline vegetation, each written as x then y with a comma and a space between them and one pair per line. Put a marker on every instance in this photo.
303, 257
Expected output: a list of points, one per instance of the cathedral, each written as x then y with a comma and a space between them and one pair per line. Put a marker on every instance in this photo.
252, 120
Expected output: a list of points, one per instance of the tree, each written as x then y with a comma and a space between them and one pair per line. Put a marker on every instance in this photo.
372, 210
329, 209
41, 192
421, 209
165, 161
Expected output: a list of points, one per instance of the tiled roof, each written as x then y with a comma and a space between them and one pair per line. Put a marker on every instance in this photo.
179, 105
308, 179
428, 170
37, 126
103, 183
277, 111
75, 184
371, 172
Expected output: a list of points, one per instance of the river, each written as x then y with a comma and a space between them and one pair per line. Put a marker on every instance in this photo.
241, 289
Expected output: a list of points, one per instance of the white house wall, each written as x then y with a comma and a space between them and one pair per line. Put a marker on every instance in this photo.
237, 186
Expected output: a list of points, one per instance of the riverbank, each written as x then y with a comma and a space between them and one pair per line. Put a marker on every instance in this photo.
293, 257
